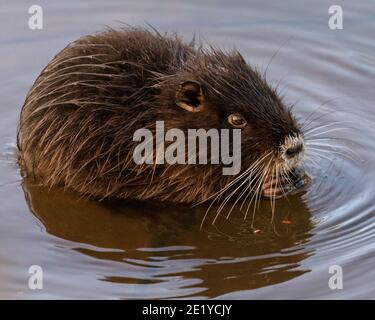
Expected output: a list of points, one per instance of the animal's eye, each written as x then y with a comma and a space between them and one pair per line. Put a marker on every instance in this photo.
237, 120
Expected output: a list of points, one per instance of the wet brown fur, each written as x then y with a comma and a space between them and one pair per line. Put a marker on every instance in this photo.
77, 123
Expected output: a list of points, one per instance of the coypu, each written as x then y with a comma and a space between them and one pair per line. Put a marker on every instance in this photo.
79, 117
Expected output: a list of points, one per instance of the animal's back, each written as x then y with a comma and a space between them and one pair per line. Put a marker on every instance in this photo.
75, 119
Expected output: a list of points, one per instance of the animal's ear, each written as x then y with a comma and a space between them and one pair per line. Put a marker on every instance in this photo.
189, 96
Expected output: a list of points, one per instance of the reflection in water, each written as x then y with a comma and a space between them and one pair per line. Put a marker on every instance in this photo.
163, 244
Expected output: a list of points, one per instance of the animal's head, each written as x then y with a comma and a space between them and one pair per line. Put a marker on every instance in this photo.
220, 90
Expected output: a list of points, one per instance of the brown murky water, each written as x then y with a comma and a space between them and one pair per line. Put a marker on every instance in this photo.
98, 250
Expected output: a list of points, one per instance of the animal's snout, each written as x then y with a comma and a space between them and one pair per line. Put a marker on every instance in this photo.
294, 150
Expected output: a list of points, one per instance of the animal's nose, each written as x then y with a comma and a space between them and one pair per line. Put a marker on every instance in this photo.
294, 150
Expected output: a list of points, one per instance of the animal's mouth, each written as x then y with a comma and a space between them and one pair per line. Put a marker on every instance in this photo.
276, 187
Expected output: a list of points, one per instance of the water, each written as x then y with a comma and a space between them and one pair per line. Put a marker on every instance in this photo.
92, 250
